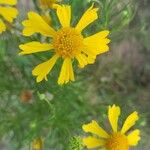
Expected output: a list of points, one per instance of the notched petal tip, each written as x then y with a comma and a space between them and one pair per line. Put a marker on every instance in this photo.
94, 128
42, 70
89, 16
86, 126
114, 106
134, 137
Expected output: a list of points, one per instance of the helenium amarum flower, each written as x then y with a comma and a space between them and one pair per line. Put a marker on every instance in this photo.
67, 42
117, 139
7, 14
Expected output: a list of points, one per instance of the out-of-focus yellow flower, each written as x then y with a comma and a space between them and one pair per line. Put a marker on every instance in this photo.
67, 43
48, 3
7, 14
118, 139
37, 144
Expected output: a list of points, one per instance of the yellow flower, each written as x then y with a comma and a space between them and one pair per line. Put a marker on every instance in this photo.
37, 144
67, 42
7, 13
118, 139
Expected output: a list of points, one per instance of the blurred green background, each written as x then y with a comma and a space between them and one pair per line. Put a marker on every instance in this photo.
56, 113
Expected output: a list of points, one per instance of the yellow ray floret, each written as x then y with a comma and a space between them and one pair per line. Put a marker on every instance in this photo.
34, 47
36, 24
113, 115
134, 137
8, 2
7, 13
129, 122
88, 17
43, 69
117, 140
93, 142
2, 26
64, 15
66, 73
94, 128
67, 42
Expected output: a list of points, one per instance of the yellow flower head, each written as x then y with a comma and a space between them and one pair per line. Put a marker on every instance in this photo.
118, 139
67, 42
37, 144
7, 13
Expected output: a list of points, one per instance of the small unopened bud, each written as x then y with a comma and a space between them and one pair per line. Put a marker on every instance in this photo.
75, 143
26, 96
37, 144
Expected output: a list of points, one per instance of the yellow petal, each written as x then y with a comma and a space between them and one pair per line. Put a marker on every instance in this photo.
2, 26
94, 128
66, 73
10, 2
71, 73
64, 15
134, 137
84, 60
42, 70
92, 142
88, 17
36, 24
113, 115
98, 36
8, 13
130, 121
97, 43
34, 47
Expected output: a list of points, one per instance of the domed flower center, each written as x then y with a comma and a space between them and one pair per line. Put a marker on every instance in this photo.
117, 141
68, 42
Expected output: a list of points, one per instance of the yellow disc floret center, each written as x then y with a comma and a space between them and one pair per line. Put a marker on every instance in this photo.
68, 42
117, 141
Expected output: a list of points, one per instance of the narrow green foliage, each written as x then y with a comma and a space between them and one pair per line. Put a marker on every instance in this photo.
56, 113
